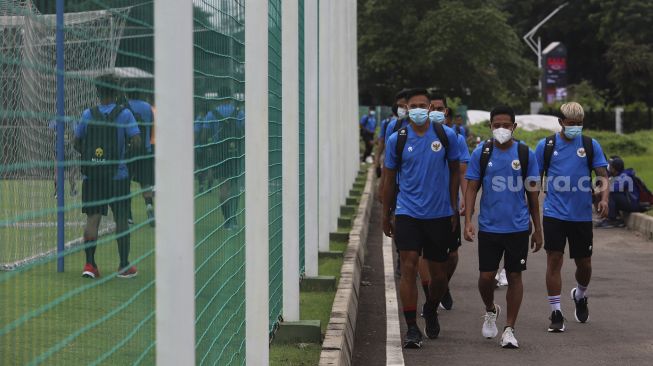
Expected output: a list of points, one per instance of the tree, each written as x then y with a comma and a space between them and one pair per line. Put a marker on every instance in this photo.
461, 48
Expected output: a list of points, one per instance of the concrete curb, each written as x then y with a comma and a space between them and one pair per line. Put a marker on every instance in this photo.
642, 223
338, 345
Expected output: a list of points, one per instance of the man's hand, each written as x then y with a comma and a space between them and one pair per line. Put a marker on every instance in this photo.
536, 240
388, 227
602, 208
470, 232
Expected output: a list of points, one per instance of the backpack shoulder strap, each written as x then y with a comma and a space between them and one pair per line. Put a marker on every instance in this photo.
488, 146
442, 136
588, 145
458, 130
522, 151
397, 126
402, 137
96, 114
549, 146
115, 112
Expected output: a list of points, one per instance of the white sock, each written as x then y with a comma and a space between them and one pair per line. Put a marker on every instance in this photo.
580, 291
554, 301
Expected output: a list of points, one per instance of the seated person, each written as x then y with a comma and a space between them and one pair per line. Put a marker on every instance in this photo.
624, 193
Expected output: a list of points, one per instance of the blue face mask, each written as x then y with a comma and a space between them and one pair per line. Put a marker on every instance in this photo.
226, 110
573, 131
436, 116
418, 115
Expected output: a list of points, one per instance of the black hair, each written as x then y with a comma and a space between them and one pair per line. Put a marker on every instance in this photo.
371, 108
618, 164
107, 86
395, 108
417, 91
440, 97
502, 109
402, 94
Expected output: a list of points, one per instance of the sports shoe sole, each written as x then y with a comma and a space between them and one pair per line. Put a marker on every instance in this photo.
131, 275
87, 274
551, 330
510, 346
413, 345
573, 298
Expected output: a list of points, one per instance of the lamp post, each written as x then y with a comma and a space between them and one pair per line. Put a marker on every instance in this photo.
536, 47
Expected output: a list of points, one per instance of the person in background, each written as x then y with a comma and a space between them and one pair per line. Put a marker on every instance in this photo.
458, 125
624, 194
367, 129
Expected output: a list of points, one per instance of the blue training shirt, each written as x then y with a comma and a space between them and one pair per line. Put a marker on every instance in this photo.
127, 128
369, 123
569, 195
144, 109
504, 207
424, 174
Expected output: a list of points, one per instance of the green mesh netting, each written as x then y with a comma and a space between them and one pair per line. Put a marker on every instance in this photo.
51, 317
302, 159
275, 206
220, 174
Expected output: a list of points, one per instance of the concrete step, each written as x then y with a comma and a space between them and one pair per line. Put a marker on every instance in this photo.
318, 283
303, 331
339, 236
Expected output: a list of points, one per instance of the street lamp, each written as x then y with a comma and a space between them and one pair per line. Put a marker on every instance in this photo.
537, 46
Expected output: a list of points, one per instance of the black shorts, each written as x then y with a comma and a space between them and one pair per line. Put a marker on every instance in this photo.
431, 237
513, 247
225, 160
578, 233
455, 239
95, 194
142, 170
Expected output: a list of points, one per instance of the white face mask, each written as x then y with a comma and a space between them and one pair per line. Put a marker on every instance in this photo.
401, 113
502, 135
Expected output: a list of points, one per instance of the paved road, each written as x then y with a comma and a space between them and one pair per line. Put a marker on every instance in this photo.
620, 330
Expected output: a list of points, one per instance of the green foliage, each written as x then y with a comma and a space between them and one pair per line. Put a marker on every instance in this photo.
475, 55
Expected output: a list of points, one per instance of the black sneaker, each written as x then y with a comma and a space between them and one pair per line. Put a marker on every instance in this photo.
413, 337
431, 320
557, 322
582, 313
447, 301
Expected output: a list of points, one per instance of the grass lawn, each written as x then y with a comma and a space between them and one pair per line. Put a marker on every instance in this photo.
62, 318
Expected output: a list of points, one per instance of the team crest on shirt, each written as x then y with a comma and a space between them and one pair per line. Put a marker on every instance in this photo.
516, 165
581, 152
555, 153
489, 164
410, 149
436, 146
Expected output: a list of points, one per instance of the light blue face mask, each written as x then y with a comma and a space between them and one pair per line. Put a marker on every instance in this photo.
436, 116
418, 115
573, 131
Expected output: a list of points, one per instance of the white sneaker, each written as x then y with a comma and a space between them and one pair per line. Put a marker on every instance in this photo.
490, 323
501, 278
508, 339
369, 160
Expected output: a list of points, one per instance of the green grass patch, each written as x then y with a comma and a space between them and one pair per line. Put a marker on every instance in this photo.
303, 354
338, 246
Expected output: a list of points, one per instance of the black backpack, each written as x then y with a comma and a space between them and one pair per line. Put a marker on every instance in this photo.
549, 147
100, 153
522, 152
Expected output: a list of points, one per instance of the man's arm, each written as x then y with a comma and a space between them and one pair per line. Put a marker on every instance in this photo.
463, 186
454, 186
534, 208
602, 176
470, 202
389, 199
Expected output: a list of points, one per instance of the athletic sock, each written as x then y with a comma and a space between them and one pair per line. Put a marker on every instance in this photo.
123, 251
410, 314
149, 202
425, 287
580, 291
554, 301
225, 211
90, 252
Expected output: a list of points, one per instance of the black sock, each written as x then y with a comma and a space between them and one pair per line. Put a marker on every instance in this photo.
123, 251
410, 314
149, 200
90, 252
